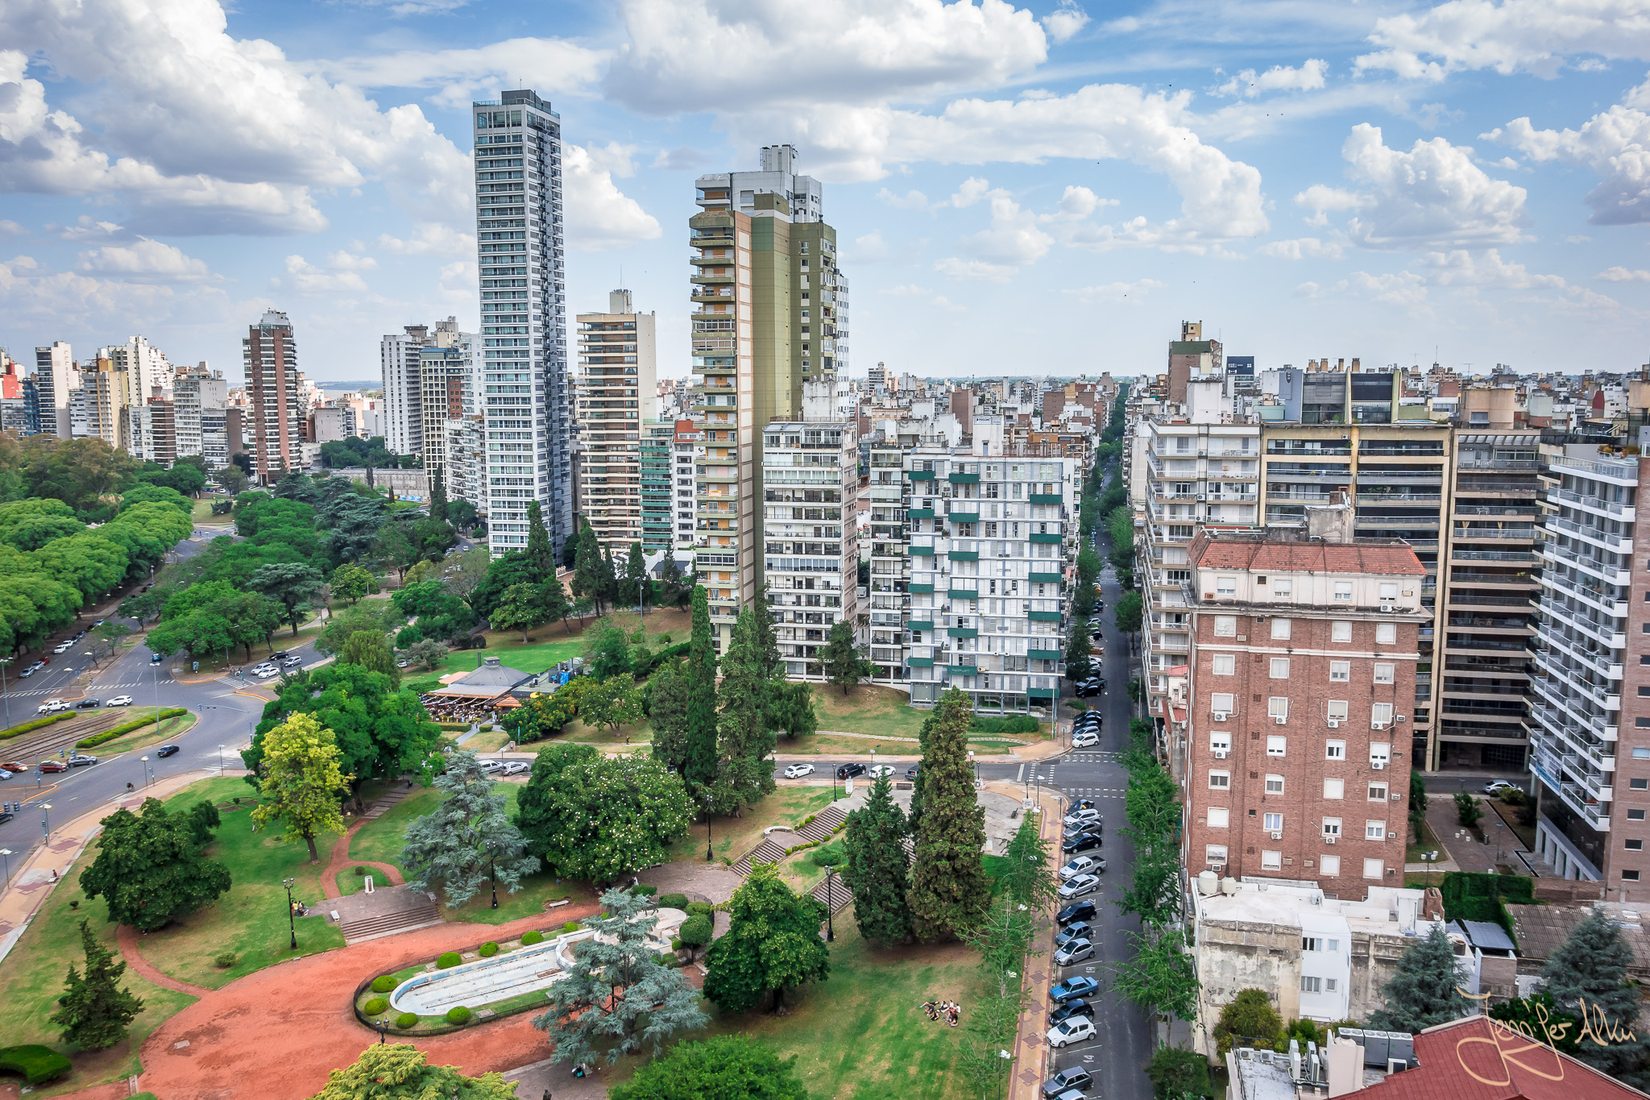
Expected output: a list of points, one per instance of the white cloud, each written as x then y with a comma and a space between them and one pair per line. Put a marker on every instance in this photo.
10, 228
1508, 36
430, 239
599, 215
911, 200
145, 260
1308, 77
1625, 275
924, 294
1116, 292
303, 277
456, 77
969, 192
59, 298
1304, 248
1063, 23
1614, 143
869, 248
697, 55
976, 270
1488, 269
1433, 193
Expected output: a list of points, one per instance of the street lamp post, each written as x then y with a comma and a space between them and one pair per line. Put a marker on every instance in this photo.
4, 698
291, 912
46, 820
220, 760
5, 855
830, 908
710, 854
492, 865
641, 605
975, 765
148, 773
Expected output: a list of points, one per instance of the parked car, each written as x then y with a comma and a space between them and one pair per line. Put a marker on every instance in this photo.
1075, 1030
491, 765
1085, 739
76, 760
1082, 818
119, 701
87, 704
166, 750
1080, 842
515, 767
1081, 804
14, 766
1072, 1094
1076, 911
51, 706
1079, 886
848, 771
1072, 988
280, 655
291, 659
5, 816
31, 670
1082, 865
53, 766
62, 647
97, 624
1076, 930
1088, 687
1499, 787
1087, 718
1074, 952
880, 770
1072, 1077
797, 771
4, 774
911, 772
1064, 1012
266, 672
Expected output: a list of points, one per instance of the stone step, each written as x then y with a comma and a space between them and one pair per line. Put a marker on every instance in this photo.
824, 825
765, 852
384, 801
386, 924
841, 897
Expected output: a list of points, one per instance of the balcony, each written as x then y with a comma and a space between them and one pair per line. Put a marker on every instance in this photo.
1046, 538
963, 517
958, 477
1045, 578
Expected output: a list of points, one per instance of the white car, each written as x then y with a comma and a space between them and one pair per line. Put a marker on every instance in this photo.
1082, 865
797, 771
266, 672
1087, 739
880, 770
1077, 1029
492, 765
514, 767
51, 706
4, 774
119, 701
1499, 787
1081, 817
63, 647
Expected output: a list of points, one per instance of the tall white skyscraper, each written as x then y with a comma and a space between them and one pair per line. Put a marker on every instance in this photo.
398, 354
523, 318
57, 379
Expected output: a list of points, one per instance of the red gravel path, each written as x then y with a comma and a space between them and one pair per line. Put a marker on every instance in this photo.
127, 937
339, 859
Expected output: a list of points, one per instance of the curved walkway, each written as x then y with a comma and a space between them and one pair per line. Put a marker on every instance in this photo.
339, 859
127, 937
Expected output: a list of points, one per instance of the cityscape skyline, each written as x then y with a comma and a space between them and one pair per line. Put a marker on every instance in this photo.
1339, 182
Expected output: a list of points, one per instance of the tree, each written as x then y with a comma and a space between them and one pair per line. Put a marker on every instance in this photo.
438, 494
231, 479
699, 759
606, 650
765, 639
949, 888
150, 868
520, 608
744, 739
111, 634
539, 554
1159, 976
597, 818
1248, 1020
394, 547
350, 582
143, 606
502, 572
94, 1011
290, 584
617, 997
1178, 1074
841, 660
1538, 1017
1425, 987
1078, 650
610, 578
379, 617
712, 1069
635, 575
301, 782
1126, 614
876, 870
666, 700
793, 711
1082, 600
1026, 877
554, 598
440, 614
399, 1071
426, 654
1467, 810
467, 839
1586, 977
371, 652
677, 589
587, 567
614, 704
772, 944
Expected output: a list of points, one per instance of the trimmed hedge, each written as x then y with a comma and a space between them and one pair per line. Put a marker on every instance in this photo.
35, 1064
1482, 896
124, 728
572, 926
1008, 723
448, 959
528, 939
29, 727
375, 1005
673, 901
699, 909
458, 1014
407, 1020
488, 950
695, 931
383, 983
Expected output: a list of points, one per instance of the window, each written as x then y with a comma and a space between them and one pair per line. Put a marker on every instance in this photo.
1274, 784
1340, 631
1281, 629
1334, 789
1219, 817
1343, 590
1225, 586
1377, 792
1380, 716
1220, 702
1386, 633
1329, 984
1225, 626
1331, 826
1282, 586
1220, 743
1215, 854
1384, 672
1380, 754
1277, 708
1635, 845
1329, 866
1630, 876
1340, 672
1271, 861
1276, 744
1272, 823
1336, 710
1311, 983
1635, 815
1641, 754
1375, 830
1220, 781
1334, 750
1374, 868
1388, 592
1280, 668
1224, 664
1638, 784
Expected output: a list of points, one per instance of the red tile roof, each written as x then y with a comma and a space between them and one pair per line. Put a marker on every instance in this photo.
1477, 1058
1283, 554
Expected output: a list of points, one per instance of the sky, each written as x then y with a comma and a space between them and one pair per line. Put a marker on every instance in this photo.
1016, 189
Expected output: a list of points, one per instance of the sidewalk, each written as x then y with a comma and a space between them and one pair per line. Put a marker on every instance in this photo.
1025, 1075
34, 879
1462, 849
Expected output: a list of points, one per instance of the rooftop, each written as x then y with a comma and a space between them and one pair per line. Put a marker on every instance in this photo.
489, 681
1282, 551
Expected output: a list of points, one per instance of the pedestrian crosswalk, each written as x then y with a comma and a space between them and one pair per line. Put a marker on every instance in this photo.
1094, 792
93, 689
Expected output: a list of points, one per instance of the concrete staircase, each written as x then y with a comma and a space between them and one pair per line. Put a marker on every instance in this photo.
382, 804
765, 852
840, 896
826, 822
418, 912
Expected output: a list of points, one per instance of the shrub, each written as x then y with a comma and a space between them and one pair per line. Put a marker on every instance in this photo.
375, 1005
528, 939
223, 960
360, 872
458, 1014
571, 926
36, 1064
673, 901
644, 889
406, 1020
695, 931
113, 732
28, 727
488, 950
383, 983
448, 959
699, 908
1008, 723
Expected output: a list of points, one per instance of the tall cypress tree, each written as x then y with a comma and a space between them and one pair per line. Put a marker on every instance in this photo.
438, 494
915, 814
1588, 974
610, 579
876, 871
538, 540
587, 567
95, 1011
949, 888
746, 738
635, 574
699, 764
767, 642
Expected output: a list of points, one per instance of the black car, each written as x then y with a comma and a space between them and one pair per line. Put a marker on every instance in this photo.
1072, 1077
1079, 1007
166, 750
1089, 687
87, 704
1080, 842
848, 771
5, 816
1084, 722
1077, 910
911, 772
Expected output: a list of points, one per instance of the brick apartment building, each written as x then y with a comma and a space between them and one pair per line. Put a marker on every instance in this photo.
1300, 681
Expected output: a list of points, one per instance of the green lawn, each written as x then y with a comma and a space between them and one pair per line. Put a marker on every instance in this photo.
881, 711
251, 919
577, 731
732, 837
152, 734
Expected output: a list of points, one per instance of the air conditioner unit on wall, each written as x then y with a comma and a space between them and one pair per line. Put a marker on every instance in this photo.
1280, 719
1221, 754
1390, 835
1378, 765
1334, 723
1221, 715
1330, 838
1275, 836
1388, 606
